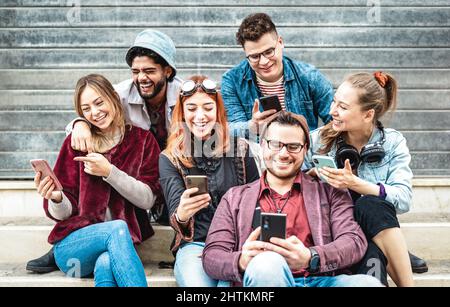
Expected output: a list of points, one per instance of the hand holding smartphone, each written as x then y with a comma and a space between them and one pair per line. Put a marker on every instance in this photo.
272, 225
270, 103
323, 161
44, 168
197, 181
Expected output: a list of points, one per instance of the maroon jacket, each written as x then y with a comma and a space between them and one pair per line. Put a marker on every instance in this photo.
90, 196
337, 237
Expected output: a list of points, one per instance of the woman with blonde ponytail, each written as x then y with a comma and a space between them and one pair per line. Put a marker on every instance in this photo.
373, 164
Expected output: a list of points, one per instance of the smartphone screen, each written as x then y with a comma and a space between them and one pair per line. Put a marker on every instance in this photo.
270, 103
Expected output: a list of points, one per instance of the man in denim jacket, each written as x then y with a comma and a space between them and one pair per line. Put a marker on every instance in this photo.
300, 87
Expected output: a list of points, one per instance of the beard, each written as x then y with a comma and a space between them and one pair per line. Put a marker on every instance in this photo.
157, 88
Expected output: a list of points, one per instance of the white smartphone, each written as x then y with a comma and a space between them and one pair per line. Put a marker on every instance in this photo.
323, 161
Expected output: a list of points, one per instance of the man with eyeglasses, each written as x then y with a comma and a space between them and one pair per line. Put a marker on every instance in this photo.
300, 87
147, 98
322, 237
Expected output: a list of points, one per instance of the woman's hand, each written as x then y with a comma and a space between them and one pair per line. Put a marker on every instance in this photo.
95, 164
189, 206
339, 178
46, 188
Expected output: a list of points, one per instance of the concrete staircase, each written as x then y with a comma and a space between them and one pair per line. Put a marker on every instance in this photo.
24, 231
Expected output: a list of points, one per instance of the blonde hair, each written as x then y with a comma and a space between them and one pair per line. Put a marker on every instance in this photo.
377, 91
101, 143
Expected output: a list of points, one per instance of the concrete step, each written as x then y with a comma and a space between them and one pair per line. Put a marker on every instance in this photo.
430, 241
44, 99
23, 243
46, 120
413, 81
230, 16
225, 37
19, 202
100, 58
15, 275
226, 3
36, 141
16, 164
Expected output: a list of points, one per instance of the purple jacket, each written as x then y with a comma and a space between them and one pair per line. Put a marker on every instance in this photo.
337, 237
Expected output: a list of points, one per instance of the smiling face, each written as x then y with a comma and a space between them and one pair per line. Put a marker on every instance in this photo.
346, 110
150, 78
97, 110
268, 69
200, 114
283, 164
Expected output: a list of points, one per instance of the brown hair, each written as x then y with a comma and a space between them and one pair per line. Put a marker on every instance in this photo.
104, 88
253, 27
377, 91
178, 142
289, 119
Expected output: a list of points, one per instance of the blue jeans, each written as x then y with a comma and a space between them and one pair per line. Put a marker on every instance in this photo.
188, 268
105, 249
270, 269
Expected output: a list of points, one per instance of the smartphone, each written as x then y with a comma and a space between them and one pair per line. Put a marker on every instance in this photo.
42, 166
197, 181
272, 225
270, 103
323, 161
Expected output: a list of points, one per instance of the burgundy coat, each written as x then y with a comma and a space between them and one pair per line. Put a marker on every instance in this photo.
337, 237
90, 196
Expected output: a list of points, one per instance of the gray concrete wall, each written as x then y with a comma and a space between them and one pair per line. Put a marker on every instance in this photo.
46, 45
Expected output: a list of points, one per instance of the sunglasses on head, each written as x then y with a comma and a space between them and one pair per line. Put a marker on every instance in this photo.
189, 87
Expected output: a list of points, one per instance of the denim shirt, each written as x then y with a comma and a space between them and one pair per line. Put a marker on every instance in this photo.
307, 92
393, 171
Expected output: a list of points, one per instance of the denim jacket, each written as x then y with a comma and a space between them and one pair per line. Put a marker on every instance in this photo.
307, 92
393, 171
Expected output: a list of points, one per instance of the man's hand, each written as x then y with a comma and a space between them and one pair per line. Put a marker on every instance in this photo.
260, 119
292, 249
95, 164
81, 139
251, 248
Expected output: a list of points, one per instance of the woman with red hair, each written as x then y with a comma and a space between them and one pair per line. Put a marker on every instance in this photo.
199, 144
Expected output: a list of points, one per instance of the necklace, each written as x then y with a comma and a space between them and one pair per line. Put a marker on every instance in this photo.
279, 210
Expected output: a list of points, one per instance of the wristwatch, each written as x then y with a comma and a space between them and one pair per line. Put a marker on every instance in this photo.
314, 263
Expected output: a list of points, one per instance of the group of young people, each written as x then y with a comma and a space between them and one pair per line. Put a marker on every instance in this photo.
134, 145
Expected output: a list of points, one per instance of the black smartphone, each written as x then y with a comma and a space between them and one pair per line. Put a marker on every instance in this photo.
270, 102
272, 225
197, 181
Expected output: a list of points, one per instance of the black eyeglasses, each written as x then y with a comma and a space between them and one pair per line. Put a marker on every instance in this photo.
291, 147
269, 53
189, 87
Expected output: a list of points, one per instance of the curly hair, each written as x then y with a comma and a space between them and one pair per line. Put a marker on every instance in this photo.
253, 27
